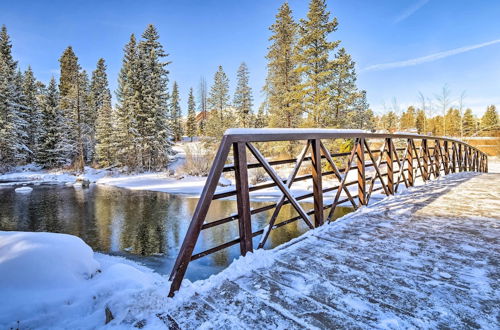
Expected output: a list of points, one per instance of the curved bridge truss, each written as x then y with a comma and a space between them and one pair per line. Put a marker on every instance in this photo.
400, 159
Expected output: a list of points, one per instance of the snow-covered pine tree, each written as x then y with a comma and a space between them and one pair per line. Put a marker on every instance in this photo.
220, 117
48, 154
315, 65
176, 113
33, 113
243, 97
191, 117
283, 97
72, 89
344, 93
100, 104
490, 118
153, 110
126, 138
12, 121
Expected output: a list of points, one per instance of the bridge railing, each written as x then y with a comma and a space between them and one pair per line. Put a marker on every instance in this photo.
401, 159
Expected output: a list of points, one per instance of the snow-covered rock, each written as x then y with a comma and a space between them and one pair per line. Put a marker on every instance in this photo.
23, 190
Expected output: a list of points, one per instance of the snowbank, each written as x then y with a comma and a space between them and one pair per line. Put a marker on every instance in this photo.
56, 281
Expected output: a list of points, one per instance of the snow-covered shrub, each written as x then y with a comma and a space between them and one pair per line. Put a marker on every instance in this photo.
198, 160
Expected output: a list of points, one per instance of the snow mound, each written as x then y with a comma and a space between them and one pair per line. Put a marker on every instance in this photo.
35, 261
23, 190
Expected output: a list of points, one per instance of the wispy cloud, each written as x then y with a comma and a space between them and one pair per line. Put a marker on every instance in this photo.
428, 58
410, 11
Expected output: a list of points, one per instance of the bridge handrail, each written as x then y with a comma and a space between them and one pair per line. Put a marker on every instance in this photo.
446, 155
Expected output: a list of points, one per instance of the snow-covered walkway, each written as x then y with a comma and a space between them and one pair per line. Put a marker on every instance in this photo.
428, 258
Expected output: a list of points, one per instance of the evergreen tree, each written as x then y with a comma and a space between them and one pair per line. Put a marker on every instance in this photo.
152, 116
72, 99
360, 116
283, 97
315, 64
408, 119
452, 122
32, 113
100, 105
13, 150
48, 155
420, 122
175, 111
202, 105
261, 120
469, 123
344, 93
490, 118
390, 121
191, 118
243, 97
220, 117
126, 137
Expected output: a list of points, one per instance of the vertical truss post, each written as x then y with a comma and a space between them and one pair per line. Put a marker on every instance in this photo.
242, 197
425, 152
460, 158
453, 157
390, 166
446, 159
409, 160
360, 153
317, 181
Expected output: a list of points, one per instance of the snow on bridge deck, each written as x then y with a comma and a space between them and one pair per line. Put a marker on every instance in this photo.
428, 258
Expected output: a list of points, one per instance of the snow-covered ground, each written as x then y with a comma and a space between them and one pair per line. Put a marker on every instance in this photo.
50, 280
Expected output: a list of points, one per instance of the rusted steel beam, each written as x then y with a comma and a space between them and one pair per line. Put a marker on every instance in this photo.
425, 153
360, 155
184, 257
446, 158
390, 166
409, 160
317, 181
242, 197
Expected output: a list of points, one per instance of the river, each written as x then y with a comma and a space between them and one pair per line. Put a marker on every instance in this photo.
143, 226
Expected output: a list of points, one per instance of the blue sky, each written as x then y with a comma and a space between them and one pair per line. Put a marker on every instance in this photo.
400, 47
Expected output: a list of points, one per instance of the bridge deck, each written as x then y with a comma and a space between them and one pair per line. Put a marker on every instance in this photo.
426, 258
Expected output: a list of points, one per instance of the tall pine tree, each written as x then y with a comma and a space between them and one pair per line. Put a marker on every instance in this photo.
220, 116
175, 113
283, 99
191, 117
243, 97
315, 64
49, 155
100, 103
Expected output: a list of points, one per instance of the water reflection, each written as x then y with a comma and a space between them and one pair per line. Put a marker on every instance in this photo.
140, 225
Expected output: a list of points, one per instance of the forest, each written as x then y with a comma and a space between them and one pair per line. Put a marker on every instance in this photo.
73, 121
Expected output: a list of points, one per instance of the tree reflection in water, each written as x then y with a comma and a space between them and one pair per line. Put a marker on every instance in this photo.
144, 226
